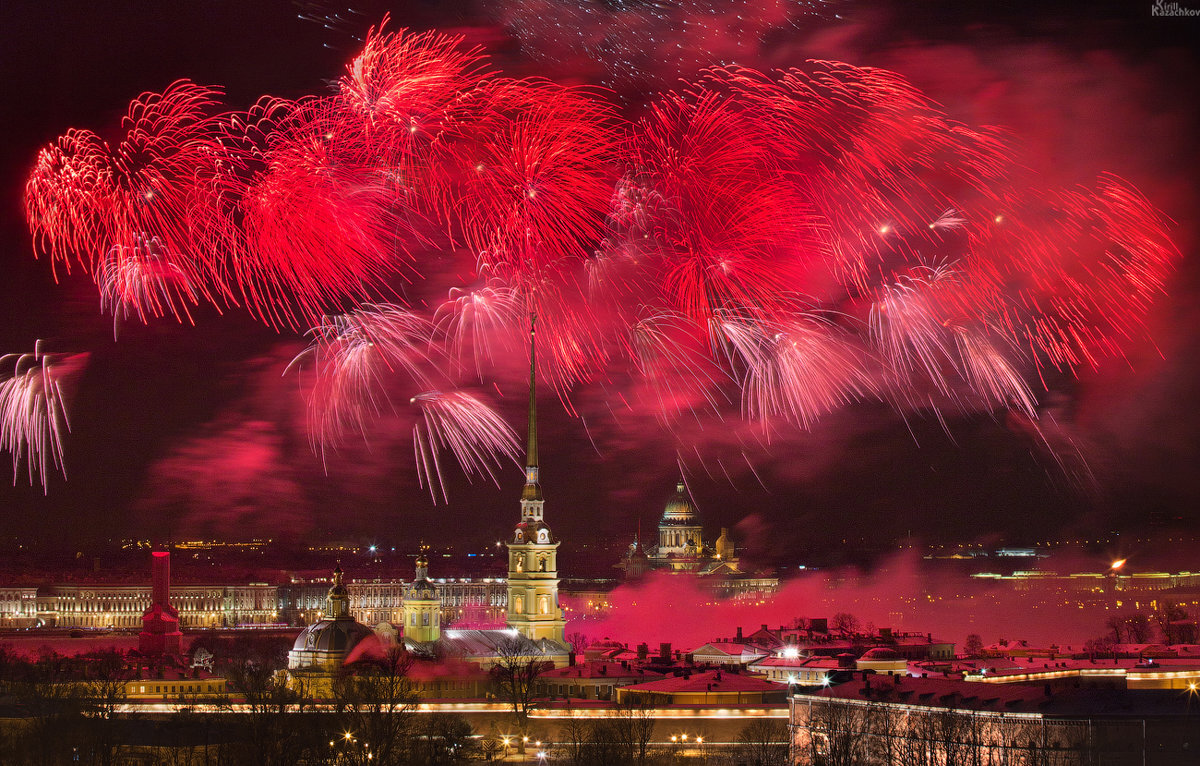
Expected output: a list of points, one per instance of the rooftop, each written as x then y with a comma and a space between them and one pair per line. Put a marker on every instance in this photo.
1061, 699
713, 680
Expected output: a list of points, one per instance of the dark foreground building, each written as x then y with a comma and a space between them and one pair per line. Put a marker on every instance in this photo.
931, 722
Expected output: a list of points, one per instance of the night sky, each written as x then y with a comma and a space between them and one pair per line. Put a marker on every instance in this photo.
179, 430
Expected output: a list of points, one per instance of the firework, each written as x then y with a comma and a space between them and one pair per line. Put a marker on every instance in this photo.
801, 370
535, 173
324, 223
33, 414
470, 429
102, 206
725, 235
670, 353
476, 323
405, 90
142, 283
352, 353
794, 241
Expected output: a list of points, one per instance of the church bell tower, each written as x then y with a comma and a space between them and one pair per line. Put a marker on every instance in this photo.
533, 609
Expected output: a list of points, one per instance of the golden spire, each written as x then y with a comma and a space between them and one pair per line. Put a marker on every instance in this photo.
532, 490
531, 456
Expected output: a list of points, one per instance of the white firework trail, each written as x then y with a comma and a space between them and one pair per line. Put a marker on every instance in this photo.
469, 428
33, 415
351, 354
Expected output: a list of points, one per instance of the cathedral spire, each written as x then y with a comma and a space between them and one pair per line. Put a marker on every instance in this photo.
531, 456
533, 490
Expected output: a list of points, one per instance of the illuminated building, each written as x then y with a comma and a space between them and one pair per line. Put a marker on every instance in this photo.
918, 720
105, 605
788, 667
533, 608
680, 535
592, 680
175, 684
812, 637
728, 653
421, 613
375, 601
681, 548
18, 607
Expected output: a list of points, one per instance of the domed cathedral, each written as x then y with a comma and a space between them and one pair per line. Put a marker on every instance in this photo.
680, 546
533, 609
421, 606
679, 531
321, 649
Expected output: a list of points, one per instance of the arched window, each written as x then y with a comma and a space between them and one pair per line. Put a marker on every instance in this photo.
543, 605
542, 563
519, 562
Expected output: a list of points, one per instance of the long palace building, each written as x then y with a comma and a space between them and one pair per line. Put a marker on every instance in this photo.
120, 606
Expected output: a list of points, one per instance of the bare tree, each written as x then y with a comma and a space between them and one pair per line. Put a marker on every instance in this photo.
635, 724
886, 724
52, 700
836, 735
578, 642
103, 693
375, 700
845, 624
973, 646
574, 733
1173, 623
442, 738
276, 735
1130, 628
764, 742
513, 675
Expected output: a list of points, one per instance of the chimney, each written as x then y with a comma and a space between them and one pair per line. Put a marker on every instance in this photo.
739, 633
161, 578
664, 651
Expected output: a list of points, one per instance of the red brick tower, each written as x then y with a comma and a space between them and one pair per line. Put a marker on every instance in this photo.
160, 622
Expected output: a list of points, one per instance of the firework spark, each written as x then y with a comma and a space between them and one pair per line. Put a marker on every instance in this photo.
469, 428
352, 353
33, 413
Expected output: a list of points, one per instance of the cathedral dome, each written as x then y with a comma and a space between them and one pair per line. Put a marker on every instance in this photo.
679, 508
331, 636
322, 646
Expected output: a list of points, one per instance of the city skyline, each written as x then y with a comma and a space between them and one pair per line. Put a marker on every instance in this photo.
180, 431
